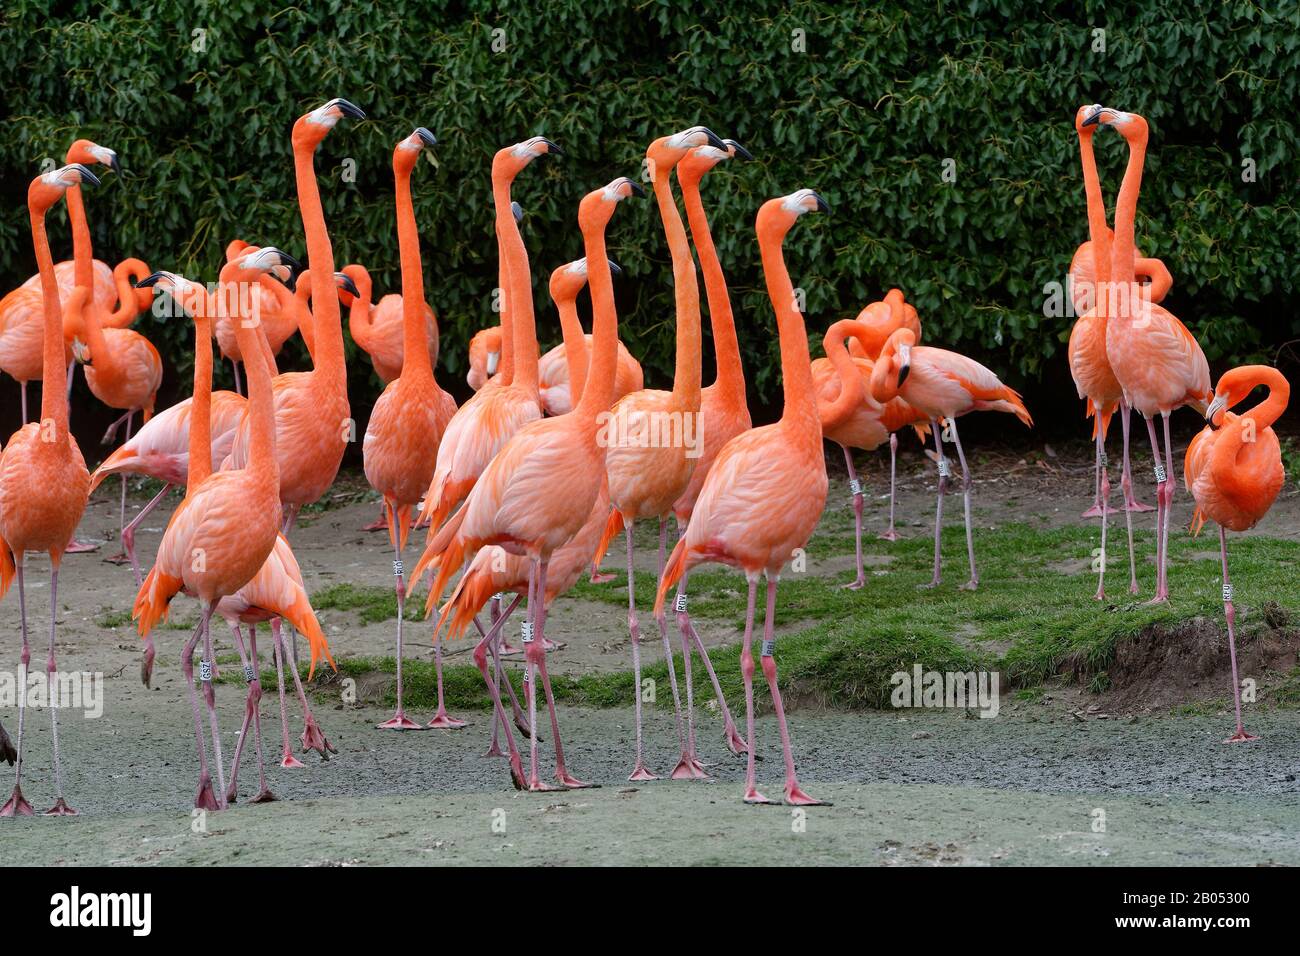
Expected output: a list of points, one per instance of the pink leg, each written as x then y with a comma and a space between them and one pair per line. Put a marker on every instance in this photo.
747, 672
689, 767
1171, 487
1104, 498
1130, 500
122, 557
480, 660
210, 700
538, 657
117, 423
1230, 613
128, 534
252, 716
639, 772
1126, 485
288, 761
534, 655
23, 388
855, 487
938, 506
1162, 594
239, 387
1099, 468
17, 805
204, 799
794, 796
889, 534
399, 720
264, 794
966, 484
684, 769
380, 523
312, 738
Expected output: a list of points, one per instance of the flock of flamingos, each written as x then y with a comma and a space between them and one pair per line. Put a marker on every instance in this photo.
525, 485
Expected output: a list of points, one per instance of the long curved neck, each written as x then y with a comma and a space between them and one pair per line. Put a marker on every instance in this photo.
796, 370
201, 406
415, 341
83, 256
1279, 394
575, 346
1098, 230
261, 404
686, 292
327, 329
506, 368
598, 395
54, 387
726, 346
851, 394
128, 307
519, 302
1122, 256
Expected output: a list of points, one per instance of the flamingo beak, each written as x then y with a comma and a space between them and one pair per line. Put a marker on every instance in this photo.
635, 187
517, 211
426, 137
346, 284
1217, 407
615, 268
739, 151
350, 110
150, 280
904, 364
493, 360
551, 148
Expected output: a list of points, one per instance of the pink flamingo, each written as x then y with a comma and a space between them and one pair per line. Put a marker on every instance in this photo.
767, 487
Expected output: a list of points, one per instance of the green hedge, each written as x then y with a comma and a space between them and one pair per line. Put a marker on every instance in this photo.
866, 113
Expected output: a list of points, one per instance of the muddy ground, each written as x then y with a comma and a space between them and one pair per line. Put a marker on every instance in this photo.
924, 788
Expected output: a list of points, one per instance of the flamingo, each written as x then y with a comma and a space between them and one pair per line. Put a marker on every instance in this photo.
646, 477
1158, 362
1234, 471
766, 490
409, 418
272, 303
862, 423
221, 535
484, 356
539, 490
377, 329
43, 476
483, 424
943, 385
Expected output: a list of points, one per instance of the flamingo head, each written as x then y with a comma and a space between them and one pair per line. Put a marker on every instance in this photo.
667, 151
1234, 385
85, 152
597, 207
894, 364
700, 160
48, 188
778, 215
312, 127
190, 296
484, 356
269, 260
511, 160
1129, 125
567, 280
357, 285
408, 150
1084, 124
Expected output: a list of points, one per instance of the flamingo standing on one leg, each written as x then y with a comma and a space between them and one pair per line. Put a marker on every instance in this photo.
539, 490
224, 531
483, 424
1159, 364
646, 473
943, 385
1234, 471
409, 418
43, 476
767, 487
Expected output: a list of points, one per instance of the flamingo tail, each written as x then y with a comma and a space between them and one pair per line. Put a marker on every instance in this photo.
301, 615
7, 567
153, 602
123, 459
446, 552
673, 572
612, 529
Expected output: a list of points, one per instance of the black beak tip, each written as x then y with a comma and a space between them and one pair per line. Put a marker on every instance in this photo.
614, 267
426, 137
552, 148
635, 187
349, 109
517, 211
822, 205
345, 282
115, 165
149, 281
714, 140
902, 374
87, 177
739, 150
291, 262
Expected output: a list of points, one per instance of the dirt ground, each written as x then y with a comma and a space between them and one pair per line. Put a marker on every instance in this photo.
926, 788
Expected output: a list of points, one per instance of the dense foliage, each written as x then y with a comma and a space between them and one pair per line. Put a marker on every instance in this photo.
864, 102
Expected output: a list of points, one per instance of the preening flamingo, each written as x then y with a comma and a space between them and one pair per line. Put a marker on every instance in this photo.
539, 490
409, 417
483, 424
653, 435
943, 385
1159, 364
222, 534
1234, 471
767, 487
377, 328
43, 476
270, 301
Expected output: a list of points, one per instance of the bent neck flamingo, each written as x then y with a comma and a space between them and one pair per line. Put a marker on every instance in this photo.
1234, 471
767, 487
43, 476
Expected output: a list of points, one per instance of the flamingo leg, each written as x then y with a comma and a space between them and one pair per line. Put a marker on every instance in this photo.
441, 719
312, 738
289, 518
966, 484
210, 700
128, 532
1230, 614
747, 672
942, 464
117, 423
538, 649
1126, 485
16, 805
288, 761
1171, 486
60, 808
264, 794
481, 651
794, 794
399, 720
1130, 500
889, 534
232, 791
1103, 492
234, 367
855, 486
23, 388
639, 772
204, 799
684, 769
72, 376
1162, 594
532, 652
252, 715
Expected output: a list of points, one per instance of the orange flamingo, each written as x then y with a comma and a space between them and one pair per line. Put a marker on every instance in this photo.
767, 487
1158, 362
43, 477
943, 385
271, 302
653, 435
222, 534
409, 418
539, 490
1234, 471
483, 424
377, 329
